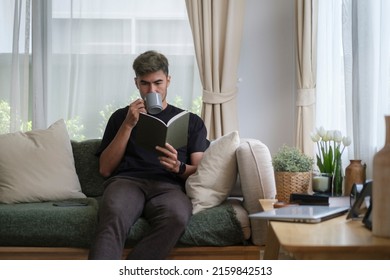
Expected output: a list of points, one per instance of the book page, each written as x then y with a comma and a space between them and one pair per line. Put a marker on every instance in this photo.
177, 134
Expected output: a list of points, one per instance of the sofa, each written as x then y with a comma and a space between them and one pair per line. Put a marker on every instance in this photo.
46, 228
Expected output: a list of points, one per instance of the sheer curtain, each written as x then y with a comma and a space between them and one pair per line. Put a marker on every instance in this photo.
15, 51
82, 59
353, 74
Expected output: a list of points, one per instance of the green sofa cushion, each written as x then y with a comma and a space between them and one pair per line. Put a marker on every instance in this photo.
43, 224
87, 167
206, 228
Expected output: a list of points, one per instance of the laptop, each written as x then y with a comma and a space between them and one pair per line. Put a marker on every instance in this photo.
301, 213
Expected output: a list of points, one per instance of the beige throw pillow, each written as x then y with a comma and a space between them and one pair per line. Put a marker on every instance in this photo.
38, 166
216, 175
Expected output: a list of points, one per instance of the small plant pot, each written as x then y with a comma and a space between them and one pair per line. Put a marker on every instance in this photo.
291, 182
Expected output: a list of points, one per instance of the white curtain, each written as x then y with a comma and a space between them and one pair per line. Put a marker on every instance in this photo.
330, 99
41, 50
80, 66
353, 88
16, 23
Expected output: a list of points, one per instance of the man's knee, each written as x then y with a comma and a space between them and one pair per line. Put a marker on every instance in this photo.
180, 215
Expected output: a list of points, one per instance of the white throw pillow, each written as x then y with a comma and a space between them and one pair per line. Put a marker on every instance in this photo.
216, 175
38, 166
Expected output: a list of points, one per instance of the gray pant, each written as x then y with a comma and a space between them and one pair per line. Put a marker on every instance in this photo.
165, 206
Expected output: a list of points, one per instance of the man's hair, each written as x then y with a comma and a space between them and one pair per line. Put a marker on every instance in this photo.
150, 62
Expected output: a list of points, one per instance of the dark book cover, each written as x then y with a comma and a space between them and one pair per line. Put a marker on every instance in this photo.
307, 199
152, 132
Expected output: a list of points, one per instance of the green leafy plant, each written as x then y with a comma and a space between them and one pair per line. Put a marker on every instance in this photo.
291, 159
75, 129
196, 107
5, 117
105, 114
74, 126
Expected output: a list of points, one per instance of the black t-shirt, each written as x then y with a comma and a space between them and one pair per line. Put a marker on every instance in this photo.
141, 163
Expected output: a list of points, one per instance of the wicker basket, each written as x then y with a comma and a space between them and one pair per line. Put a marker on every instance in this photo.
291, 182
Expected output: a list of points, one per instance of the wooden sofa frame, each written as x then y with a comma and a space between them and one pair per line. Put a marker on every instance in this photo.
251, 252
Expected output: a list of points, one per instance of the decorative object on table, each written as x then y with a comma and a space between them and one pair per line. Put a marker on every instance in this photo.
355, 173
308, 199
331, 145
367, 219
381, 188
322, 182
292, 172
361, 202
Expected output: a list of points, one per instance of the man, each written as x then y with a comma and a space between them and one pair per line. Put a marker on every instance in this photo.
141, 183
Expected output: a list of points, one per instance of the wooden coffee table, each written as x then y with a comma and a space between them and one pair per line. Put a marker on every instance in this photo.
337, 238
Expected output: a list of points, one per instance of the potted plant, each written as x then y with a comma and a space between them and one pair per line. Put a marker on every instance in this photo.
292, 172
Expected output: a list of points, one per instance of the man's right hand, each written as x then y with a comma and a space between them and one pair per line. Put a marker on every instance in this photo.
136, 107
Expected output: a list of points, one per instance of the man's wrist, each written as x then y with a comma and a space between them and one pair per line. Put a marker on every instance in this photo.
182, 168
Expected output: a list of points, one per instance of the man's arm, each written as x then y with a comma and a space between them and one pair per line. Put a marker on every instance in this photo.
195, 160
113, 154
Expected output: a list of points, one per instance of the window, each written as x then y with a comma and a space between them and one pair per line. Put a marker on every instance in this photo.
89, 51
353, 73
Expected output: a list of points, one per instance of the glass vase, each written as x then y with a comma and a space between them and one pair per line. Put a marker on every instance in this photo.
337, 184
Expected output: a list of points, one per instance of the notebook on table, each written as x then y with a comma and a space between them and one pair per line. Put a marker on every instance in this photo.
301, 213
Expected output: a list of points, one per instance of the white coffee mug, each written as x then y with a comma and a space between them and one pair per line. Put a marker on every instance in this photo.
153, 103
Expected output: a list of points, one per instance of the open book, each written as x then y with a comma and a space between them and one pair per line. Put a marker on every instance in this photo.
152, 132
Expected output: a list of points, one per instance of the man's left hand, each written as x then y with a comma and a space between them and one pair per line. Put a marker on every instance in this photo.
169, 159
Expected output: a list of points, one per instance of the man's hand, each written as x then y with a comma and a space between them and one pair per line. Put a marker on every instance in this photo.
169, 159
136, 107
171, 163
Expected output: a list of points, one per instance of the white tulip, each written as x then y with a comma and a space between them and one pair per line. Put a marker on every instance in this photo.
337, 136
347, 141
321, 131
328, 136
315, 137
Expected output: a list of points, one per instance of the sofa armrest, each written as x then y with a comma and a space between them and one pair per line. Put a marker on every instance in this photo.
257, 182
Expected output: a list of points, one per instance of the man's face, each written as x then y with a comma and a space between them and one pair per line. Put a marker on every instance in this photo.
156, 82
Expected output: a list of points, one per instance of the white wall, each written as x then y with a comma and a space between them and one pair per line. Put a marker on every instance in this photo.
266, 97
